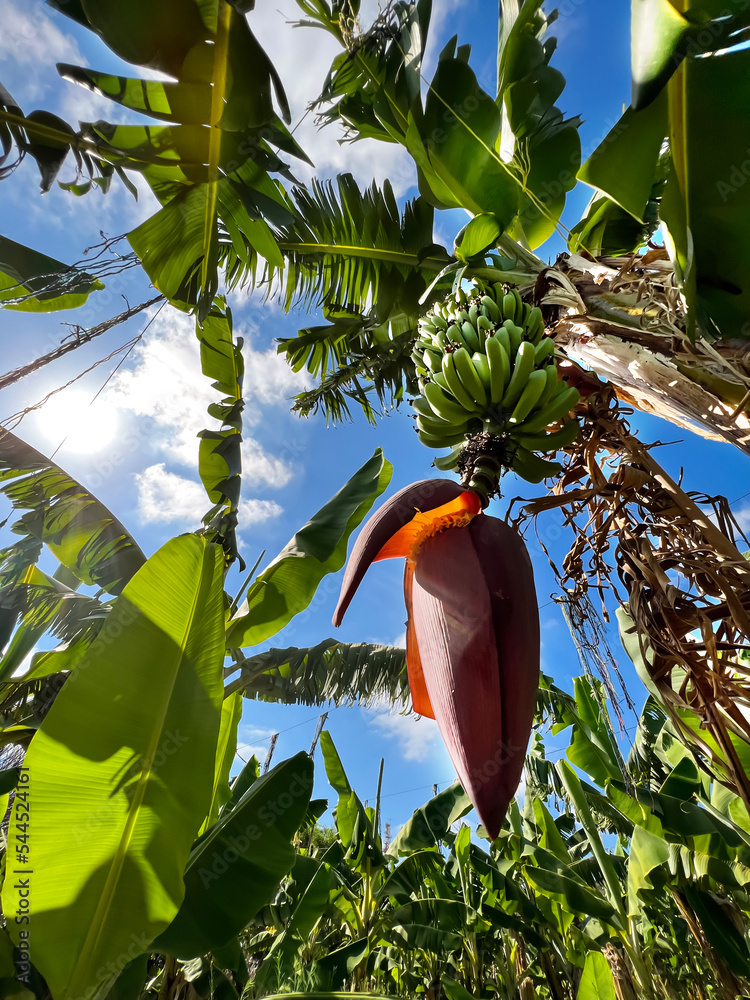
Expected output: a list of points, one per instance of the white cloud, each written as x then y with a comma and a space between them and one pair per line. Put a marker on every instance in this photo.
416, 737
269, 381
743, 518
252, 741
260, 467
166, 497
166, 384
30, 38
254, 511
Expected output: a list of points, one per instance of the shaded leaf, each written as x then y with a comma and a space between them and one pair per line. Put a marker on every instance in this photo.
33, 282
234, 869
343, 673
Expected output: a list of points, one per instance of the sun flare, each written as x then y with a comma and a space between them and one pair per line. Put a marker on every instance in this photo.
84, 426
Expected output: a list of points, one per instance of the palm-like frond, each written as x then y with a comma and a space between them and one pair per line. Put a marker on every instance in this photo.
348, 248
354, 255
344, 673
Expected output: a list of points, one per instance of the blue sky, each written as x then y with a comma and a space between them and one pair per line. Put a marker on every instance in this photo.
151, 408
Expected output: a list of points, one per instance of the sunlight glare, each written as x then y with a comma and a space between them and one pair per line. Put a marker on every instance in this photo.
86, 426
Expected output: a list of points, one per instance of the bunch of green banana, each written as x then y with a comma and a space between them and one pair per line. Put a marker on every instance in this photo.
484, 364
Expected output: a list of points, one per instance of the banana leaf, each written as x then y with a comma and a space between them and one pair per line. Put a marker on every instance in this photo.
288, 584
341, 672
236, 867
33, 282
118, 794
78, 529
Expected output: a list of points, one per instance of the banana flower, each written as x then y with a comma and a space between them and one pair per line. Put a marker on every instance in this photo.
472, 639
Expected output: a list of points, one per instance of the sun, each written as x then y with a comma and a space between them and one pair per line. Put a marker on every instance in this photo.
84, 426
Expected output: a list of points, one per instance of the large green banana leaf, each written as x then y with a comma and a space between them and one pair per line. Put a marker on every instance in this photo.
431, 822
237, 865
118, 779
33, 282
79, 530
210, 167
287, 586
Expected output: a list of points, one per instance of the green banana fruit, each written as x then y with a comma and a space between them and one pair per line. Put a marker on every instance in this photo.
509, 306
470, 336
529, 397
422, 405
555, 409
447, 463
493, 310
543, 350
454, 383
442, 405
433, 360
515, 336
522, 368
504, 339
441, 441
440, 428
553, 381
499, 365
549, 442
469, 378
482, 368
532, 468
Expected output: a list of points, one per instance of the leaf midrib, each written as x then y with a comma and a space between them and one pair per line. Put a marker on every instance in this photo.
103, 910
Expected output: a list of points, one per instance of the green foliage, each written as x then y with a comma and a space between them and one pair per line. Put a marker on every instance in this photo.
141, 774
33, 282
79, 530
353, 254
235, 867
331, 671
689, 92
219, 458
288, 584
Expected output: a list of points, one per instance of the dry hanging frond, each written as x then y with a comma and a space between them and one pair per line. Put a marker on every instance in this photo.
671, 559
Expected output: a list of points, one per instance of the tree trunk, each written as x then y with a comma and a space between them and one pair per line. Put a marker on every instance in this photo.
624, 319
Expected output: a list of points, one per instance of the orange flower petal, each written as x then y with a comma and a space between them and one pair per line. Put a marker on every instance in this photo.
454, 514
420, 699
